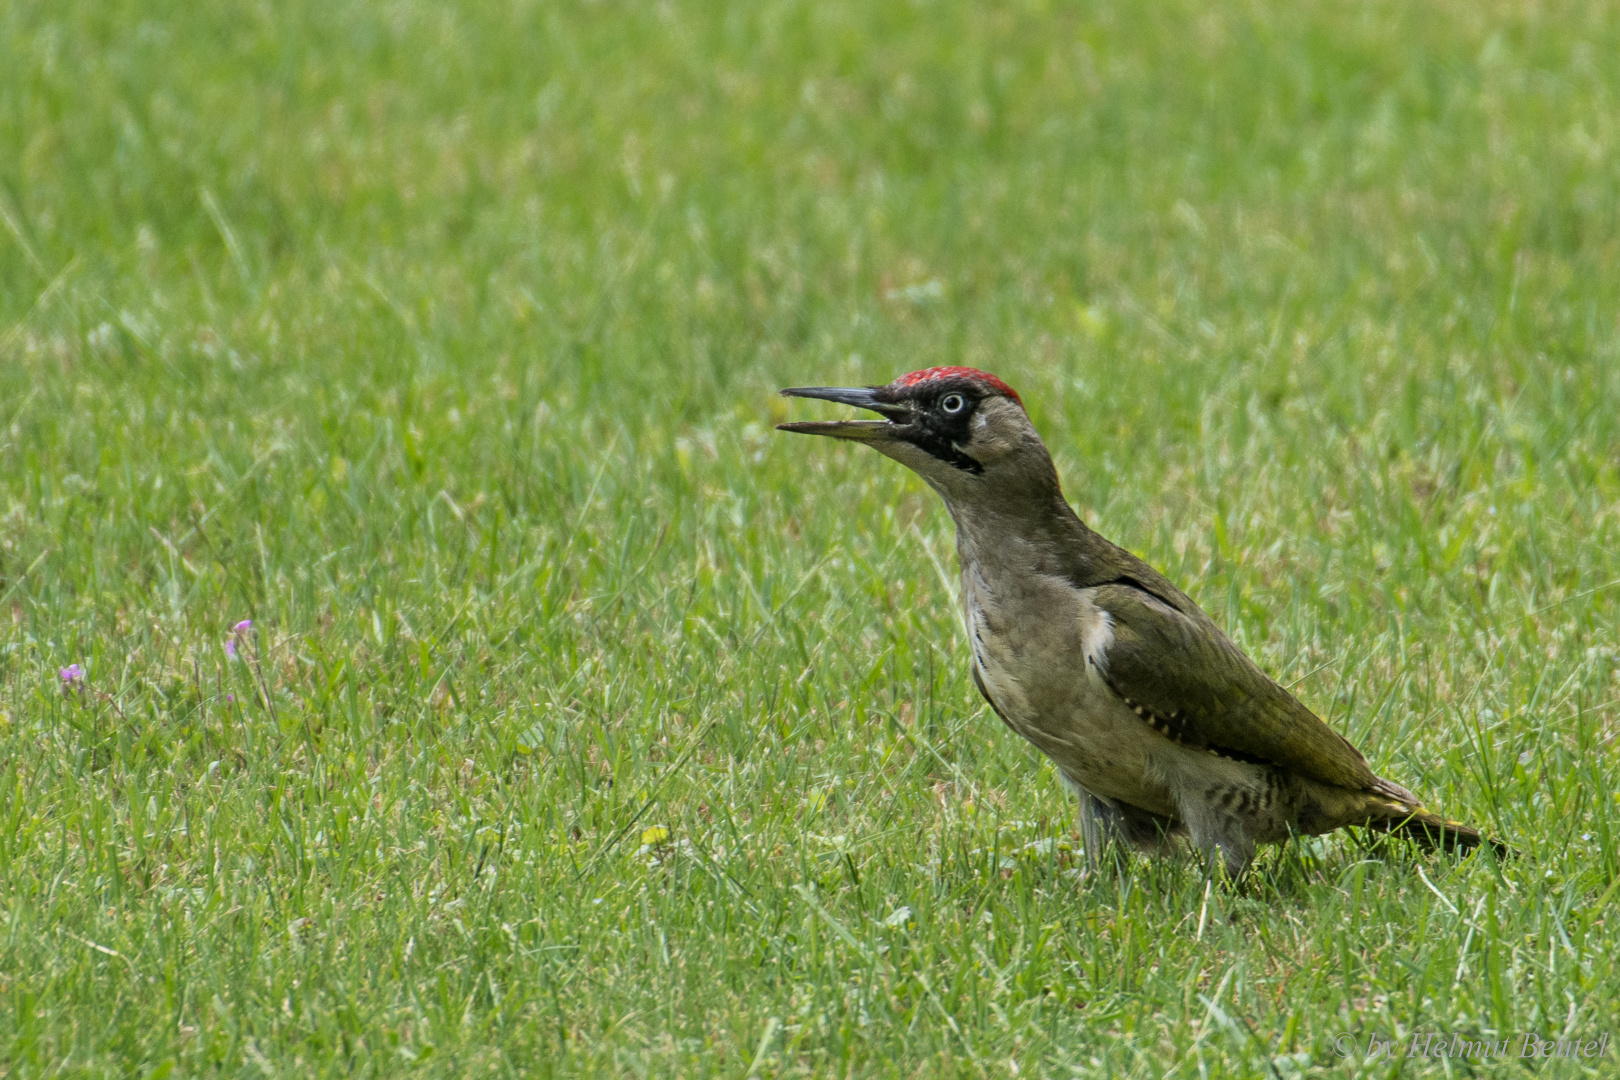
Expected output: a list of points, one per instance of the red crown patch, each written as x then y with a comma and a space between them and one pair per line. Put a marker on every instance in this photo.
983, 377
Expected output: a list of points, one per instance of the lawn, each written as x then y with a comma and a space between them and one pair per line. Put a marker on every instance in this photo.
583, 725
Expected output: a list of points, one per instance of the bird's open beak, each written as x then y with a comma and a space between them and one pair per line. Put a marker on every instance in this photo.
862, 397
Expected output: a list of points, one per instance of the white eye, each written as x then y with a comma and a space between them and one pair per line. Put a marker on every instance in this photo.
953, 403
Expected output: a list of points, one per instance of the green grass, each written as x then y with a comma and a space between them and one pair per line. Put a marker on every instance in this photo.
587, 727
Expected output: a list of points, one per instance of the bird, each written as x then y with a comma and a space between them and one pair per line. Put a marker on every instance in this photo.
1153, 716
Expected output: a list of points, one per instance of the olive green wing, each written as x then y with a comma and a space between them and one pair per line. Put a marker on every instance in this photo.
1181, 674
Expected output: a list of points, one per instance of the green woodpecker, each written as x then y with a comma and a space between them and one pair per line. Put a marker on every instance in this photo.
1163, 725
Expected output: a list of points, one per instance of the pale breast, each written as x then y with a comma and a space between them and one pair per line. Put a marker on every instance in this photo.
1031, 639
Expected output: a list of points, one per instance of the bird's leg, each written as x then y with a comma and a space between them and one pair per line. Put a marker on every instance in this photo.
1099, 820
1099, 827
1235, 860
1109, 825
1221, 840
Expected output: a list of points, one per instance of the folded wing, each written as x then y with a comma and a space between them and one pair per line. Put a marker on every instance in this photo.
1187, 678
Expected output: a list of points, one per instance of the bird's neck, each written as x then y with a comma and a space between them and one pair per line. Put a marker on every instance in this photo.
1029, 531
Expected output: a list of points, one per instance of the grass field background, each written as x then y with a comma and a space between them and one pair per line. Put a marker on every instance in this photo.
585, 726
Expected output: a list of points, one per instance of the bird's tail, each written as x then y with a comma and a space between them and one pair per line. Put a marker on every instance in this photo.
1429, 829
1387, 807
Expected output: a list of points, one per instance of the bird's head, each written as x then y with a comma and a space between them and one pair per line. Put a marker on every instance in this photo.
962, 430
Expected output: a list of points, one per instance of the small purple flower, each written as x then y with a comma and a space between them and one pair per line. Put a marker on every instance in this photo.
230, 697
72, 677
239, 634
